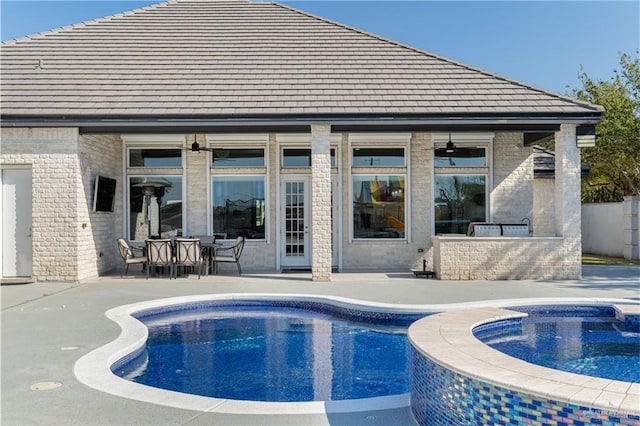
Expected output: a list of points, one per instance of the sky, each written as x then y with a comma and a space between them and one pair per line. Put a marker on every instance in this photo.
541, 43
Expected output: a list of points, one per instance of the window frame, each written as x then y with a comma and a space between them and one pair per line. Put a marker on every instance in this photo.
240, 141
486, 195
151, 141
264, 178
380, 140
212, 165
373, 146
463, 140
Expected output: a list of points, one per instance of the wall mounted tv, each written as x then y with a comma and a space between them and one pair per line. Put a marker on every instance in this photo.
104, 194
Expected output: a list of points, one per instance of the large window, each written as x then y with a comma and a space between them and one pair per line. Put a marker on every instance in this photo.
155, 206
459, 200
378, 206
239, 206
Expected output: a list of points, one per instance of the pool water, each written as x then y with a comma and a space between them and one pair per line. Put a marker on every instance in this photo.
586, 340
267, 353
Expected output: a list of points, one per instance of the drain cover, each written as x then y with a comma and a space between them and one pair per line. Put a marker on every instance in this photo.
45, 386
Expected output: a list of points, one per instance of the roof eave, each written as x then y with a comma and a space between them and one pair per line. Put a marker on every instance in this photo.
444, 121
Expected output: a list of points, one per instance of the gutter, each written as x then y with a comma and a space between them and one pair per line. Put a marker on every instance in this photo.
339, 122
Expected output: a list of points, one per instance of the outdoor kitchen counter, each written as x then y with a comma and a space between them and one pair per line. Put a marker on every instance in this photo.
459, 257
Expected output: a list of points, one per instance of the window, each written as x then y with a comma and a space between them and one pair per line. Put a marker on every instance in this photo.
461, 157
149, 157
301, 157
158, 212
239, 206
459, 200
378, 206
378, 157
242, 157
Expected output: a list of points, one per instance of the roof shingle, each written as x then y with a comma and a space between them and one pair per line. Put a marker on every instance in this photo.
191, 57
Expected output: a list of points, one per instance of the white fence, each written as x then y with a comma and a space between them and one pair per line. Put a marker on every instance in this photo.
611, 229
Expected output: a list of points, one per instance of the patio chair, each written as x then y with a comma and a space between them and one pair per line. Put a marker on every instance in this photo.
230, 254
160, 253
128, 254
188, 253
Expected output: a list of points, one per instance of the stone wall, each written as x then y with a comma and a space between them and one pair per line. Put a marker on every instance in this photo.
543, 219
497, 258
99, 155
52, 154
512, 192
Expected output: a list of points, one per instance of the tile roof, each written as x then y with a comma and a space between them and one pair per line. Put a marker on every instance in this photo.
218, 58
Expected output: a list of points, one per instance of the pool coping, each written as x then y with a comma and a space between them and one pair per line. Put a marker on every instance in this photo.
447, 339
94, 368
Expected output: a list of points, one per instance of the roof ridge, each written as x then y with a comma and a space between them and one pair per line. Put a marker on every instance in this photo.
444, 58
84, 23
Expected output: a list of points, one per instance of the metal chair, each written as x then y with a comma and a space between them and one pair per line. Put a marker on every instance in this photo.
160, 253
127, 252
230, 254
188, 253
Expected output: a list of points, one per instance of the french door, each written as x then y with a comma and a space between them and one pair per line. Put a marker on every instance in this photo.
295, 222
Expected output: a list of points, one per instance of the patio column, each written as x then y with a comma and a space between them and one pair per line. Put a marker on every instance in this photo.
321, 202
567, 202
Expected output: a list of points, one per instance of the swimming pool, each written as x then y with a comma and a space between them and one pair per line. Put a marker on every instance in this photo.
273, 351
585, 340
485, 376
457, 379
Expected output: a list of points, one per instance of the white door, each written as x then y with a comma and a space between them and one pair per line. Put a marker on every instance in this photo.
295, 222
16, 222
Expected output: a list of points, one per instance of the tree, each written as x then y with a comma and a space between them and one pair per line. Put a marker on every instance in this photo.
615, 160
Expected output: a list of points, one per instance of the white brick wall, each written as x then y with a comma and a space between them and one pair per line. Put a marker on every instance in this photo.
321, 202
463, 258
544, 219
512, 193
52, 154
567, 202
197, 172
98, 231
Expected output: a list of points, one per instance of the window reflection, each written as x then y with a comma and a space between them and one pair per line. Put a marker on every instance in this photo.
460, 157
459, 200
155, 157
378, 206
239, 206
378, 157
158, 215
223, 158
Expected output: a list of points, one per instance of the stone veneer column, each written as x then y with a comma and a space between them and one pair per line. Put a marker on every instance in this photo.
567, 202
631, 227
321, 202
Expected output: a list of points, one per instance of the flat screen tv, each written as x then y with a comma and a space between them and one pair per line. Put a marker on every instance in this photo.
104, 194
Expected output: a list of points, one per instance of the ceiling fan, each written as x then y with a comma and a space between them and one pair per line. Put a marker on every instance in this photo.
195, 146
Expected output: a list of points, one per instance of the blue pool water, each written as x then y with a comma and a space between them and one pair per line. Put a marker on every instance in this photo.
263, 352
582, 340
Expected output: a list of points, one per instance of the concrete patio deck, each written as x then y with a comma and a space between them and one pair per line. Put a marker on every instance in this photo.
47, 326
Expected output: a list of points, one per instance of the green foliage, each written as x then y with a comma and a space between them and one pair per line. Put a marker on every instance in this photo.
615, 160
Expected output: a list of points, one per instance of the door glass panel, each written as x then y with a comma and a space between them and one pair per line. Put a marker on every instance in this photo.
294, 219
